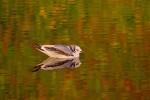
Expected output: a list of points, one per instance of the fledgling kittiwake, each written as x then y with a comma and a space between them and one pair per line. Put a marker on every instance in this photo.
60, 51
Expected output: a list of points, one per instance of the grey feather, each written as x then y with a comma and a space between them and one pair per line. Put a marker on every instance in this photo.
72, 47
64, 48
57, 63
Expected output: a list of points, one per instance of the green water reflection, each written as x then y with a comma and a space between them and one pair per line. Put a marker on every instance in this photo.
114, 35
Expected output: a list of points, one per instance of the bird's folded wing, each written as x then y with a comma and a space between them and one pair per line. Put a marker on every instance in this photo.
64, 49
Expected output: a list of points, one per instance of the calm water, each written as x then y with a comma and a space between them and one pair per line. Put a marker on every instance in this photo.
114, 35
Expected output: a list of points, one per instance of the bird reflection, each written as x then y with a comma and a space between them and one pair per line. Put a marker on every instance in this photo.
57, 63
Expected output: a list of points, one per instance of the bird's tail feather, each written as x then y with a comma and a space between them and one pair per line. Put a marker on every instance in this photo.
38, 47
36, 68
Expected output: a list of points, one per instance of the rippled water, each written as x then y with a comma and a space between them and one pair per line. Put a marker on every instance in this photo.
113, 34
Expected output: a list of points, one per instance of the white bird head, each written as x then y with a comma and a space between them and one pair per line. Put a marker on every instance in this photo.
76, 48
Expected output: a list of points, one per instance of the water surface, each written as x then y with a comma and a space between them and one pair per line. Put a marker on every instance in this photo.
114, 35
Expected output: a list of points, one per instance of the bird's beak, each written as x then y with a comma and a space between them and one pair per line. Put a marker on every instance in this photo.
81, 51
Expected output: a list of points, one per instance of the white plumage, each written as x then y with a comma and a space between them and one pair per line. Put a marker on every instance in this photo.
60, 51
57, 63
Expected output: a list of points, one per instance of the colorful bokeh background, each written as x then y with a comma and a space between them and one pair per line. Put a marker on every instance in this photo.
114, 35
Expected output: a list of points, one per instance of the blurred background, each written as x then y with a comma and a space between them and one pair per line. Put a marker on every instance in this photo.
114, 35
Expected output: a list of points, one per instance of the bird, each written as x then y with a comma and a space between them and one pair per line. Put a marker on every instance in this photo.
60, 51
57, 63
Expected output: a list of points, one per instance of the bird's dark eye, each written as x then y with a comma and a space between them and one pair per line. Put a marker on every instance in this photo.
77, 63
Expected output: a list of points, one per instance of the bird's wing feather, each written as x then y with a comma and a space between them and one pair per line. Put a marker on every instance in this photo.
55, 63
64, 49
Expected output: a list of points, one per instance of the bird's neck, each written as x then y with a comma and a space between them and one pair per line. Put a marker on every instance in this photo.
76, 54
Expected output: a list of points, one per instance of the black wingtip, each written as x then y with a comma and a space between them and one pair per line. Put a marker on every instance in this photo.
36, 46
36, 68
